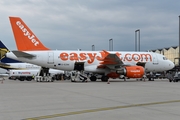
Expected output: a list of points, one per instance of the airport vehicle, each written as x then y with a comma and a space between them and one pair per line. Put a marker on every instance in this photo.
23, 74
33, 74
78, 76
111, 64
176, 77
20, 70
173, 76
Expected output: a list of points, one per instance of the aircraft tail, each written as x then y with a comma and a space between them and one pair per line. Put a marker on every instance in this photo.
24, 37
3, 58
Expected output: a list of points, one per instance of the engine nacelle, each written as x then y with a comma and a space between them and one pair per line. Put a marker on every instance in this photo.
132, 71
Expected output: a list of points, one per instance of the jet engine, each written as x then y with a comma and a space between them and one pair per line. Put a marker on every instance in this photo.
132, 71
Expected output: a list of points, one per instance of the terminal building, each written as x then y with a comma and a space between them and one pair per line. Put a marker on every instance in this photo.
172, 53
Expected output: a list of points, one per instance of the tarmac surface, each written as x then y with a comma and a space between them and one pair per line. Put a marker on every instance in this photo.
66, 100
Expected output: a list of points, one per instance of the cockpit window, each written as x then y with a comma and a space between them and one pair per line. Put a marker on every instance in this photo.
164, 58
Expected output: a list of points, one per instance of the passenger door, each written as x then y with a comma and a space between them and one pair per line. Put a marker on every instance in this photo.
50, 57
155, 58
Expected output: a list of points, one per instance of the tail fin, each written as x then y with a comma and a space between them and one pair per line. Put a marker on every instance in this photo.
24, 37
3, 50
3, 58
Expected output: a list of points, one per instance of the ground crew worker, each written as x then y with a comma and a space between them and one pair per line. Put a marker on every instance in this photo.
108, 82
33, 76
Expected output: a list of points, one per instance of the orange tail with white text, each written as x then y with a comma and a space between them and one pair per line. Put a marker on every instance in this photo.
24, 37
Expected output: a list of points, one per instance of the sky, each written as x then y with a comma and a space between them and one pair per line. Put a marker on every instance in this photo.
79, 24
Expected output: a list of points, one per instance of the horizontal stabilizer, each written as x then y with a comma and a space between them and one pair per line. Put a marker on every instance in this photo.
4, 64
23, 54
4, 75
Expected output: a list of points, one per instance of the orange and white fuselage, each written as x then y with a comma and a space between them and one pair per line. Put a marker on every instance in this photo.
93, 60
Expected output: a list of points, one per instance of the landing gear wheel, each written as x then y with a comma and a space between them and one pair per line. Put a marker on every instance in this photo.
104, 78
93, 78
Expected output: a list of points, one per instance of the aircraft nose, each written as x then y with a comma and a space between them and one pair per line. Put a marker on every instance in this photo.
171, 64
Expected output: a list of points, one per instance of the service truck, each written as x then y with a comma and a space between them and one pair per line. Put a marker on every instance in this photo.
23, 74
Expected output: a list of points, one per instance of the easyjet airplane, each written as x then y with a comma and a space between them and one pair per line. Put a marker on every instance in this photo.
111, 64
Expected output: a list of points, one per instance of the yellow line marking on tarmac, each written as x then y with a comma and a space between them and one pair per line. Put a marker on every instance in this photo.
99, 109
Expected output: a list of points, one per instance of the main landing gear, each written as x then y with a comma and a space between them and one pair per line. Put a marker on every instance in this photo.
103, 78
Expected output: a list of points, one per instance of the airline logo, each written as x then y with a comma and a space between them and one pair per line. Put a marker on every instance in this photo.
24, 73
135, 71
30, 36
3, 51
91, 57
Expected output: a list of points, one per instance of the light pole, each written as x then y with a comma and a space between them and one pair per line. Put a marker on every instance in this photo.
111, 44
138, 30
179, 41
93, 47
135, 41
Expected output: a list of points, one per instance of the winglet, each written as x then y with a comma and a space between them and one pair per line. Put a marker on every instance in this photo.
24, 37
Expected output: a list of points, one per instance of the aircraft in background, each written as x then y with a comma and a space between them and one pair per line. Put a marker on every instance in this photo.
4, 75
8, 63
111, 64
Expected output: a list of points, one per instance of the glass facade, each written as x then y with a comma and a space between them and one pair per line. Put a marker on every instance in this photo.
172, 53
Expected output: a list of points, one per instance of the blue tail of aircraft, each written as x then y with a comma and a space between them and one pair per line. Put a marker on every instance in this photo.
3, 59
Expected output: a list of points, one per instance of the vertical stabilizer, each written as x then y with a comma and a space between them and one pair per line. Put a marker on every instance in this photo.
24, 37
3, 58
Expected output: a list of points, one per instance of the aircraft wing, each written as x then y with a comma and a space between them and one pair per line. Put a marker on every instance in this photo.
23, 54
111, 61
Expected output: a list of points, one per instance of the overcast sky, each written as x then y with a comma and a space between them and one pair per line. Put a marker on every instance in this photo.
79, 24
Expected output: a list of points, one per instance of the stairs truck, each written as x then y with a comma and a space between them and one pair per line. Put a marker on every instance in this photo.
46, 74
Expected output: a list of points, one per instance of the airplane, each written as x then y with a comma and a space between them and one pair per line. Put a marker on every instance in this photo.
17, 68
111, 64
